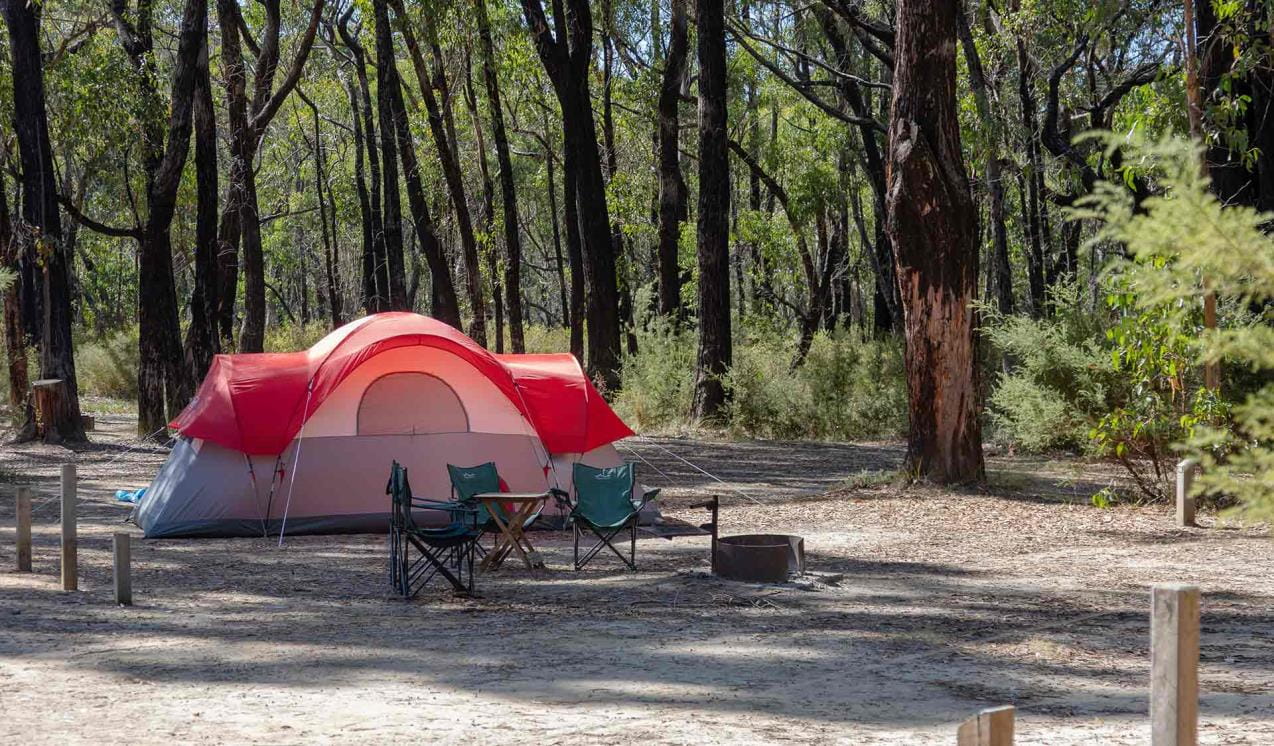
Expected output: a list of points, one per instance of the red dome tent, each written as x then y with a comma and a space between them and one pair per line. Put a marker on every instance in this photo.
311, 434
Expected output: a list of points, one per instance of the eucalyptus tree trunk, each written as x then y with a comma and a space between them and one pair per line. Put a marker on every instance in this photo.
672, 187
932, 224
714, 216
248, 118
999, 273
566, 53
508, 191
393, 125
373, 260
162, 373
40, 233
444, 146
22, 416
202, 340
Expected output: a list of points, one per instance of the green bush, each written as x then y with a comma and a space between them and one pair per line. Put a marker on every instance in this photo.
1059, 377
294, 337
848, 388
107, 366
658, 382
1183, 242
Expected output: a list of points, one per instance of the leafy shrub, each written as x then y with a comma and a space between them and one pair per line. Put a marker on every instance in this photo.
658, 382
1183, 240
294, 337
107, 366
1059, 378
847, 388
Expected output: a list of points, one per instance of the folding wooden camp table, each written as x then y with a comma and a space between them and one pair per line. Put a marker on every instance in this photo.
512, 536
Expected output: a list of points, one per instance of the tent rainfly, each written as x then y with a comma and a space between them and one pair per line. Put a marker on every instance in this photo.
302, 442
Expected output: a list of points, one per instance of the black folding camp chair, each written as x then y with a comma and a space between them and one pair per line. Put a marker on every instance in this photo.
604, 505
446, 551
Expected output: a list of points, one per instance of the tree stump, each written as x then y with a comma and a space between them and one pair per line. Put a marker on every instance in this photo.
50, 398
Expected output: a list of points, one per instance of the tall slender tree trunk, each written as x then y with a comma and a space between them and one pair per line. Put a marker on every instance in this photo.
230, 231
1030, 184
373, 258
568, 307
202, 340
714, 216
488, 204
673, 210
932, 224
40, 234
393, 125
508, 191
15, 338
245, 140
566, 55
443, 138
999, 276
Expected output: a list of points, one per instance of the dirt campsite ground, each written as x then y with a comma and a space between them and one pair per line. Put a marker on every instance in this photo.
921, 607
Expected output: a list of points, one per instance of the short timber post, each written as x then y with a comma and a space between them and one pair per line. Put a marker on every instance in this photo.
70, 557
123, 560
991, 727
1186, 471
23, 514
1174, 665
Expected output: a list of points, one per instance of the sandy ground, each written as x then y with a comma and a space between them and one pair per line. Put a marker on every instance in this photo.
921, 607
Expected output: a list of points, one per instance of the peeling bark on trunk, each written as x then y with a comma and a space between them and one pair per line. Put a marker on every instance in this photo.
931, 222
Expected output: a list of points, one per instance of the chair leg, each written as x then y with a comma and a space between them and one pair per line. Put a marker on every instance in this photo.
575, 530
632, 552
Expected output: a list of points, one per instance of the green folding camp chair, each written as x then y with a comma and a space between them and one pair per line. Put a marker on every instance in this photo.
446, 551
468, 481
604, 505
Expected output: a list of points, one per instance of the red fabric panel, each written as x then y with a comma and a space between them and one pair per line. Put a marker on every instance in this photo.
258, 403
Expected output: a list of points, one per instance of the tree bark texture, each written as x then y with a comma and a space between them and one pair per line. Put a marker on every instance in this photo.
932, 224
673, 210
715, 349
40, 234
508, 191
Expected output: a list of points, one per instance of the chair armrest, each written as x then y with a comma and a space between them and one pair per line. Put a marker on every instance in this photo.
450, 507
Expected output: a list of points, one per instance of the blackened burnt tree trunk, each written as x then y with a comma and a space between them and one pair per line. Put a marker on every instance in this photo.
162, 375
931, 223
672, 187
395, 130
39, 235
508, 192
389, 102
202, 340
714, 216
449, 159
566, 53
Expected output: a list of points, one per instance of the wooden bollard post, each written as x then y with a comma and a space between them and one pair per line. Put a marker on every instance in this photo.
1174, 665
23, 514
70, 556
123, 560
991, 727
1185, 484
